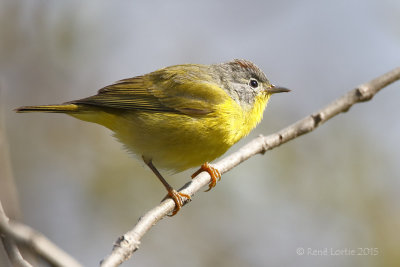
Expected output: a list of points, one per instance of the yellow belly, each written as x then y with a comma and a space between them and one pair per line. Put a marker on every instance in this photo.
177, 141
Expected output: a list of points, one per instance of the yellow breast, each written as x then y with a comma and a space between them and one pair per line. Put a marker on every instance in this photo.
177, 141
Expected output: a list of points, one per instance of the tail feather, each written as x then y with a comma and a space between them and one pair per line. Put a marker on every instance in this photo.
63, 108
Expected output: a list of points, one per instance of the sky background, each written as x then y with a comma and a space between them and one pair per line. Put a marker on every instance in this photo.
336, 188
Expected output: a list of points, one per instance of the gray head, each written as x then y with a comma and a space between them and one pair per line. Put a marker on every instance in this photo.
243, 80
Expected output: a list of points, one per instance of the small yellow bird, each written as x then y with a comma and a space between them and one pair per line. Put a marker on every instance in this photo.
180, 116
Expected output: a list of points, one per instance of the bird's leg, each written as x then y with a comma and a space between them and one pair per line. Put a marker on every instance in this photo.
214, 173
172, 193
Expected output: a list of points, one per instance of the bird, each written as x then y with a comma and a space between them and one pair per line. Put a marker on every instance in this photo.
178, 117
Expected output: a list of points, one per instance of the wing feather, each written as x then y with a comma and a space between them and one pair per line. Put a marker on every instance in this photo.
178, 89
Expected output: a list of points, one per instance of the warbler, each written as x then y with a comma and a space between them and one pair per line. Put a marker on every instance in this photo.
180, 116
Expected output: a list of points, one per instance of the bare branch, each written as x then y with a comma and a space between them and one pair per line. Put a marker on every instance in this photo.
127, 244
9, 245
22, 234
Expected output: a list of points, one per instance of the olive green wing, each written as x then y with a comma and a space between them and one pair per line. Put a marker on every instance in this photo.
165, 90
128, 94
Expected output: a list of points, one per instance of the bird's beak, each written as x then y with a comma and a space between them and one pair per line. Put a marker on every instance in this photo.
277, 89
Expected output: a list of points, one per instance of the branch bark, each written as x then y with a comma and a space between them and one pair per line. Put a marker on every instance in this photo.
14, 255
23, 234
127, 244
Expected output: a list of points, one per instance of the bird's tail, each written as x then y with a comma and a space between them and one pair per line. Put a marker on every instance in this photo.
63, 108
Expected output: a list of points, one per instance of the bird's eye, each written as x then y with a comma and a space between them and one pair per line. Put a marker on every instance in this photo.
253, 83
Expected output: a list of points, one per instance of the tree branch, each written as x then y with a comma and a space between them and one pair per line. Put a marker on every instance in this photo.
23, 234
127, 244
10, 247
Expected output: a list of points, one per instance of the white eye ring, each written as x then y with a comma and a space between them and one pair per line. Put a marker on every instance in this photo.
253, 83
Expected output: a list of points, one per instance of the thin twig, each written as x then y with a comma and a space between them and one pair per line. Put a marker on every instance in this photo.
24, 235
127, 244
10, 247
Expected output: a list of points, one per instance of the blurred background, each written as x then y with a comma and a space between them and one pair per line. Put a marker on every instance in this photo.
336, 188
